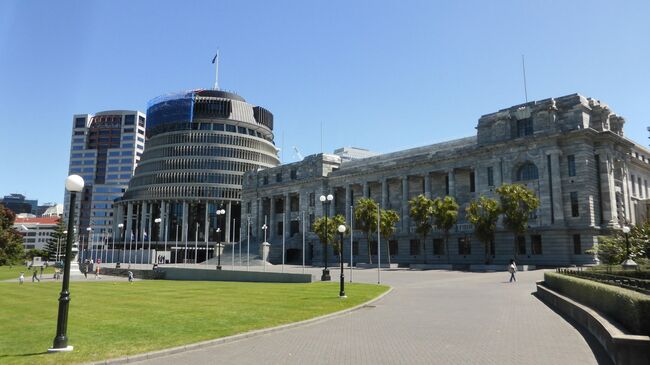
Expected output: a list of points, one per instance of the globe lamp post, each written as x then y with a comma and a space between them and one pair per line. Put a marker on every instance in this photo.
342, 285
628, 264
326, 201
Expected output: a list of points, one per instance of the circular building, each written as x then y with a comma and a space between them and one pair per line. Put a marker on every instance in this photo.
187, 185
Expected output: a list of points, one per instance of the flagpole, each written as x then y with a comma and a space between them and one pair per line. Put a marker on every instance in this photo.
215, 61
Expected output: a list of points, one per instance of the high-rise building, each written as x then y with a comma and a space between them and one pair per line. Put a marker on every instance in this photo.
105, 149
36, 231
18, 203
199, 144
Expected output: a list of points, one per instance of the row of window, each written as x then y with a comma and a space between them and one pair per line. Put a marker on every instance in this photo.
119, 176
642, 189
120, 153
186, 177
195, 164
180, 192
211, 151
211, 138
184, 126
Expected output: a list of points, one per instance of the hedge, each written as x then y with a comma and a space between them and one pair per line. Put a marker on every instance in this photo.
630, 308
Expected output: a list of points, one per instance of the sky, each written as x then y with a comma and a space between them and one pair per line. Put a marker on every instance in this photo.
380, 75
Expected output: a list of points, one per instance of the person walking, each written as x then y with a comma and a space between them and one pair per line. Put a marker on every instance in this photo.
512, 269
97, 272
84, 269
21, 278
35, 276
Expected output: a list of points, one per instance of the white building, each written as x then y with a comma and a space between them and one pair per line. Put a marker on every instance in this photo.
36, 231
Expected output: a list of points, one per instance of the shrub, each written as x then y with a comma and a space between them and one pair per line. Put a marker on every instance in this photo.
630, 308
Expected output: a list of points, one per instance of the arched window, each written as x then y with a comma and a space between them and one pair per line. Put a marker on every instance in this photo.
527, 171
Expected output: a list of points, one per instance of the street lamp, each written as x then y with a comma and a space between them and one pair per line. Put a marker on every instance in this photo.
264, 244
89, 241
628, 263
157, 221
120, 226
219, 244
326, 201
342, 286
74, 184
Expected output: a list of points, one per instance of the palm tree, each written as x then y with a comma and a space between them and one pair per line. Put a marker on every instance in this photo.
517, 202
421, 212
365, 217
445, 215
328, 236
387, 226
483, 214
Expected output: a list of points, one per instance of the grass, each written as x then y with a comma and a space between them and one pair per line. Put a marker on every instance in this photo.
113, 319
7, 272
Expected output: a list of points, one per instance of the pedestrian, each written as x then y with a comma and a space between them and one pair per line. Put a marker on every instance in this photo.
35, 276
21, 278
41, 272
512, 269
97, 272
130, 277
84, 269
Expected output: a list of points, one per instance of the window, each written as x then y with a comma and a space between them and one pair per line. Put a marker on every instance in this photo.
128, 130
577, 245
438, 246
373, 247
294, 174
278, 177
129, 119
527, 171
472, 183
127, 138
140, 120
280, 228
490, 176
265, 180
312, 199
575, 211
464, 246
492, 248
447, 184
231, 128
79, 133
242, 130
524, 127
80, 122
640, 188
633, 185
536, 243
218, 127
392, 246
521, 245
355, 248
127, 145
571, 163
414, 247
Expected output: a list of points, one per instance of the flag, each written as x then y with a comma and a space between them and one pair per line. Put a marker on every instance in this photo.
215, 58
132, 236
145, 235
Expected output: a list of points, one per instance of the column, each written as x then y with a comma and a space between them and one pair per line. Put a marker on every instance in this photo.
384, 193
348, 202
366, 190
271, 224
452, 183
118, 217
286, 217
206, 225
405, 204
143, 221
228, 221
626, 193
185, 225
427, 185
129, 221
558, 204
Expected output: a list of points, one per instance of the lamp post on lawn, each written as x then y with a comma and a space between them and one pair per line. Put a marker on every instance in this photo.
157, 221
326, 201
628, 264
264, 244
219, 212
89, 241
121, 227
74, 184
342, 286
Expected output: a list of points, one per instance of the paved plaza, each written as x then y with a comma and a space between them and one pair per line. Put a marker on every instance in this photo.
431, 317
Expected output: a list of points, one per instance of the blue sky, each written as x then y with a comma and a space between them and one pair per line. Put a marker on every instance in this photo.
382, 75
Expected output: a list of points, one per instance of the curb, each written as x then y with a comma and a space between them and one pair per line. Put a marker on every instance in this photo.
233, 338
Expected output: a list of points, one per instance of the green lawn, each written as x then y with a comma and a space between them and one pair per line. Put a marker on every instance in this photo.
113, 319
12, 273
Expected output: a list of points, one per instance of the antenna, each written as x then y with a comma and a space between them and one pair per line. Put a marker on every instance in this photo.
282, 151
215, 62
297, 153
321, 136
523, 66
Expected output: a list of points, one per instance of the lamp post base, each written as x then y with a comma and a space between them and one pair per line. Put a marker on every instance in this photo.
326, 275
629, 264
62, 349
218, 267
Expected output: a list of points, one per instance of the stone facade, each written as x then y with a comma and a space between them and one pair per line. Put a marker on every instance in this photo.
569, 150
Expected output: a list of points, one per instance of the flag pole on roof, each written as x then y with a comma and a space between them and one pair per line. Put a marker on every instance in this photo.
215, 62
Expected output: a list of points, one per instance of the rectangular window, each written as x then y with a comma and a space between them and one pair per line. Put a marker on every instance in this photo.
128, 130
464, 246
571, 163
472, 182
248, 207
490, 176
524, 127
392, 246
373, 247
633, 185
231, 128
218, 127
127, 138
79, 133
312, 199
242, 130
129, 119
438, 246
355, 248
265, 180
294, 174
140, 120
294, 227
575, 210
646, 187
446, 184
536, 243
640, 188
521, 245
280, 228
577, 245
493, 248
80, 123
278, 177
414, 247
127, 145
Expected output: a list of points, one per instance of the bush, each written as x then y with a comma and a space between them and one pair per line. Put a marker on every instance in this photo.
616, 270
630, 308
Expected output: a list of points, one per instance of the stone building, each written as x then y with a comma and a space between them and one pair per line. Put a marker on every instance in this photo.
570, 151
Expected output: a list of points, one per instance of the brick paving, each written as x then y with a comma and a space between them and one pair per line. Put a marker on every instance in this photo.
431, 317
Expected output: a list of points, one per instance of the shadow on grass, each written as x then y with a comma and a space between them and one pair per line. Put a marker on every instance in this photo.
596, 348
22, 355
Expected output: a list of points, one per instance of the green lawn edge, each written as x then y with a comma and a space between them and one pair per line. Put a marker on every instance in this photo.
116, 319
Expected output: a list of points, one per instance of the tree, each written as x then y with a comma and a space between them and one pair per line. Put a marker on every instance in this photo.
445, 216
11, 242
484, 214
387, 226
517, 203
55, 241
327, 236
421, 212
365, 218
611, 250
